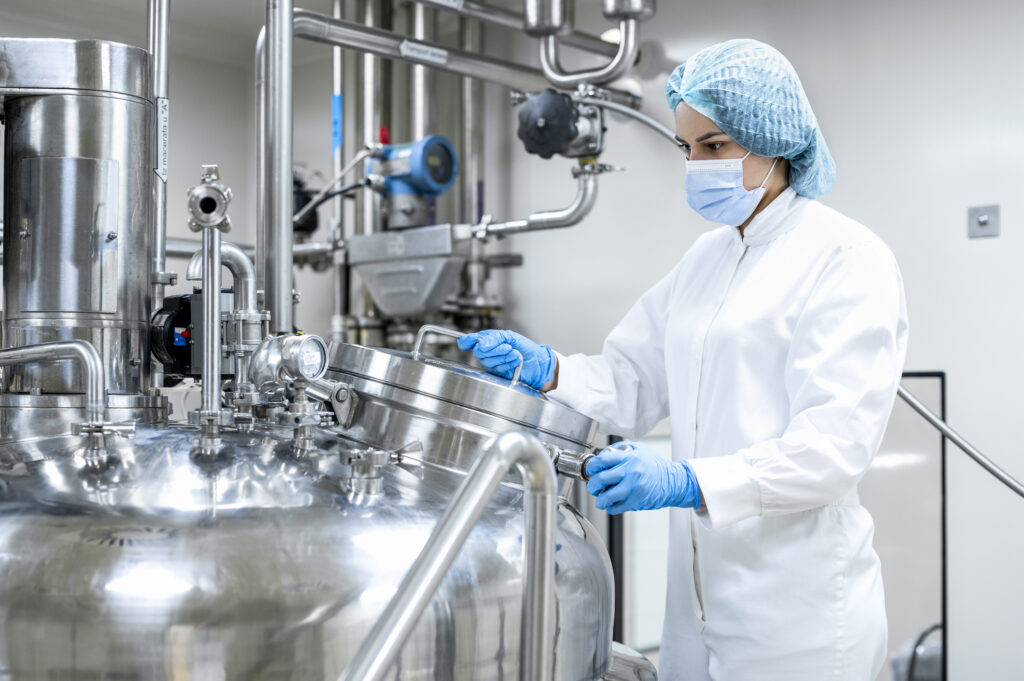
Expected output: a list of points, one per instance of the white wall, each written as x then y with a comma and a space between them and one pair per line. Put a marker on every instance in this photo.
920, 103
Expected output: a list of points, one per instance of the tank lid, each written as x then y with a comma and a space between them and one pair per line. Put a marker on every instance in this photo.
41, 65
464, 386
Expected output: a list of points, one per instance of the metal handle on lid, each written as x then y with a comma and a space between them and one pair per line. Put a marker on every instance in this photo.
519, 369
421, 335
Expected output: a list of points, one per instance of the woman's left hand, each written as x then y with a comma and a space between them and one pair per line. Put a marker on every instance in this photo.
629, 476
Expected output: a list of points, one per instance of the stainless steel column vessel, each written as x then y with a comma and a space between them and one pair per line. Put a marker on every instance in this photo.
77, 168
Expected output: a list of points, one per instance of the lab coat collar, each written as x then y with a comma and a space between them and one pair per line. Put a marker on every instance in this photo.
778, 218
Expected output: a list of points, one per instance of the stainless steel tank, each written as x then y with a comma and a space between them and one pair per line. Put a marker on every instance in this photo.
266, 548
77, 164
258, 563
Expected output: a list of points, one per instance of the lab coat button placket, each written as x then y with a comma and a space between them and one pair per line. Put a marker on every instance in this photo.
699, 355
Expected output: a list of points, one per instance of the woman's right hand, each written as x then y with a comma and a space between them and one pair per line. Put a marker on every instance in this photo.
500, 351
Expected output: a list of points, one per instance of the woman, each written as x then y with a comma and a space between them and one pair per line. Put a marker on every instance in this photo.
776, 346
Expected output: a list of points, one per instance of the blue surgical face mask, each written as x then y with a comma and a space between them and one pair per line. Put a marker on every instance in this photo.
715, 190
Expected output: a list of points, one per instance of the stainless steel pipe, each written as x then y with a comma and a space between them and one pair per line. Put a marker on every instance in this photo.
970, 450
499, 16
81, 351
245, 313
472, 128
370, 118
262, 187
424, 25
324, 29
157, 41
636, 115
572, 214
277, 136
471, 180
186, 248
211, 396
338, 235
616, 68
547, 17
378, 653
241, 268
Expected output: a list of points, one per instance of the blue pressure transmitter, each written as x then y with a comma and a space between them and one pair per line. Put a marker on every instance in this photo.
427, 167
410, 176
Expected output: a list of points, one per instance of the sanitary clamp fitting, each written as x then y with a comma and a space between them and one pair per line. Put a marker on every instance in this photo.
208, 202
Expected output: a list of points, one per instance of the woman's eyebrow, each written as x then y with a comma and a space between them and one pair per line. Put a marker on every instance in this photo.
709, 135
705, 136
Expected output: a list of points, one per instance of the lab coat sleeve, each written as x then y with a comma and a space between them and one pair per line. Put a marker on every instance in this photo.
625, 387
841, 377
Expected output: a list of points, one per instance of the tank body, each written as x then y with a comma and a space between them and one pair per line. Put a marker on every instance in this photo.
257, 565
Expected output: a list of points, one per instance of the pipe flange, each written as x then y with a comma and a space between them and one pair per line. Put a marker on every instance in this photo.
86, 428
247, 399
292, 419
592, 167
199, 417
208, 202
243, 316
240, 348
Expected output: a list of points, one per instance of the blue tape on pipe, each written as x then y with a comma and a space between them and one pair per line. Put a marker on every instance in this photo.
337, 124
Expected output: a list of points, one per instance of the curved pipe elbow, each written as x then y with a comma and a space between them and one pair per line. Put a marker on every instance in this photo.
88, 358
616, 68
92, 368
572, 214
533, 461
241, 268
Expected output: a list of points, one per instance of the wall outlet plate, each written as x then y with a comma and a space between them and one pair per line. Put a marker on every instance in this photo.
982, 221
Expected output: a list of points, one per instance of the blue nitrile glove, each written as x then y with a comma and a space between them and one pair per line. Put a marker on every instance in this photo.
631, 477
499, 351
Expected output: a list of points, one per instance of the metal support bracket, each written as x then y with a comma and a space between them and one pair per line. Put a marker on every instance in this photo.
165, 278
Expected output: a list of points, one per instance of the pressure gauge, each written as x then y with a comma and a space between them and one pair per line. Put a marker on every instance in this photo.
303, 357
288, 358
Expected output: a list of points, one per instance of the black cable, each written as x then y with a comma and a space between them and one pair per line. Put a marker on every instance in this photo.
917, 644
336, 192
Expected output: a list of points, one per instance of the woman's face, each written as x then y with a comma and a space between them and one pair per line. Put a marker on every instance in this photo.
702, 140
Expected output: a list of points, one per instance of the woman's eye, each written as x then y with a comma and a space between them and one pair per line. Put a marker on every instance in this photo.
715, 146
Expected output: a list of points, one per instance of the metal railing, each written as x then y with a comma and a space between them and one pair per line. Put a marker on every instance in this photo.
956, 438
378, 652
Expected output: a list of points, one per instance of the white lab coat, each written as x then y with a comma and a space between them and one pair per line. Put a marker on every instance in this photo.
777, 357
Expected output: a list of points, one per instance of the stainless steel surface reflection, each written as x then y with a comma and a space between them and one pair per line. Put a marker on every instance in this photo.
250, 563
451, 409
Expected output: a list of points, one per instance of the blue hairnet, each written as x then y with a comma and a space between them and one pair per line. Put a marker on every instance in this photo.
753, 94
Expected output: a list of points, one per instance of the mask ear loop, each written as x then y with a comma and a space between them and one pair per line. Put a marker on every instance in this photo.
770, 171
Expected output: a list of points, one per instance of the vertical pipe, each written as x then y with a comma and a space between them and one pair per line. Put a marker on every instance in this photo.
424, 27
369, 207
337, 101
157, 36
472, 133
261, 168
340, 271
278, 136
211, 320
